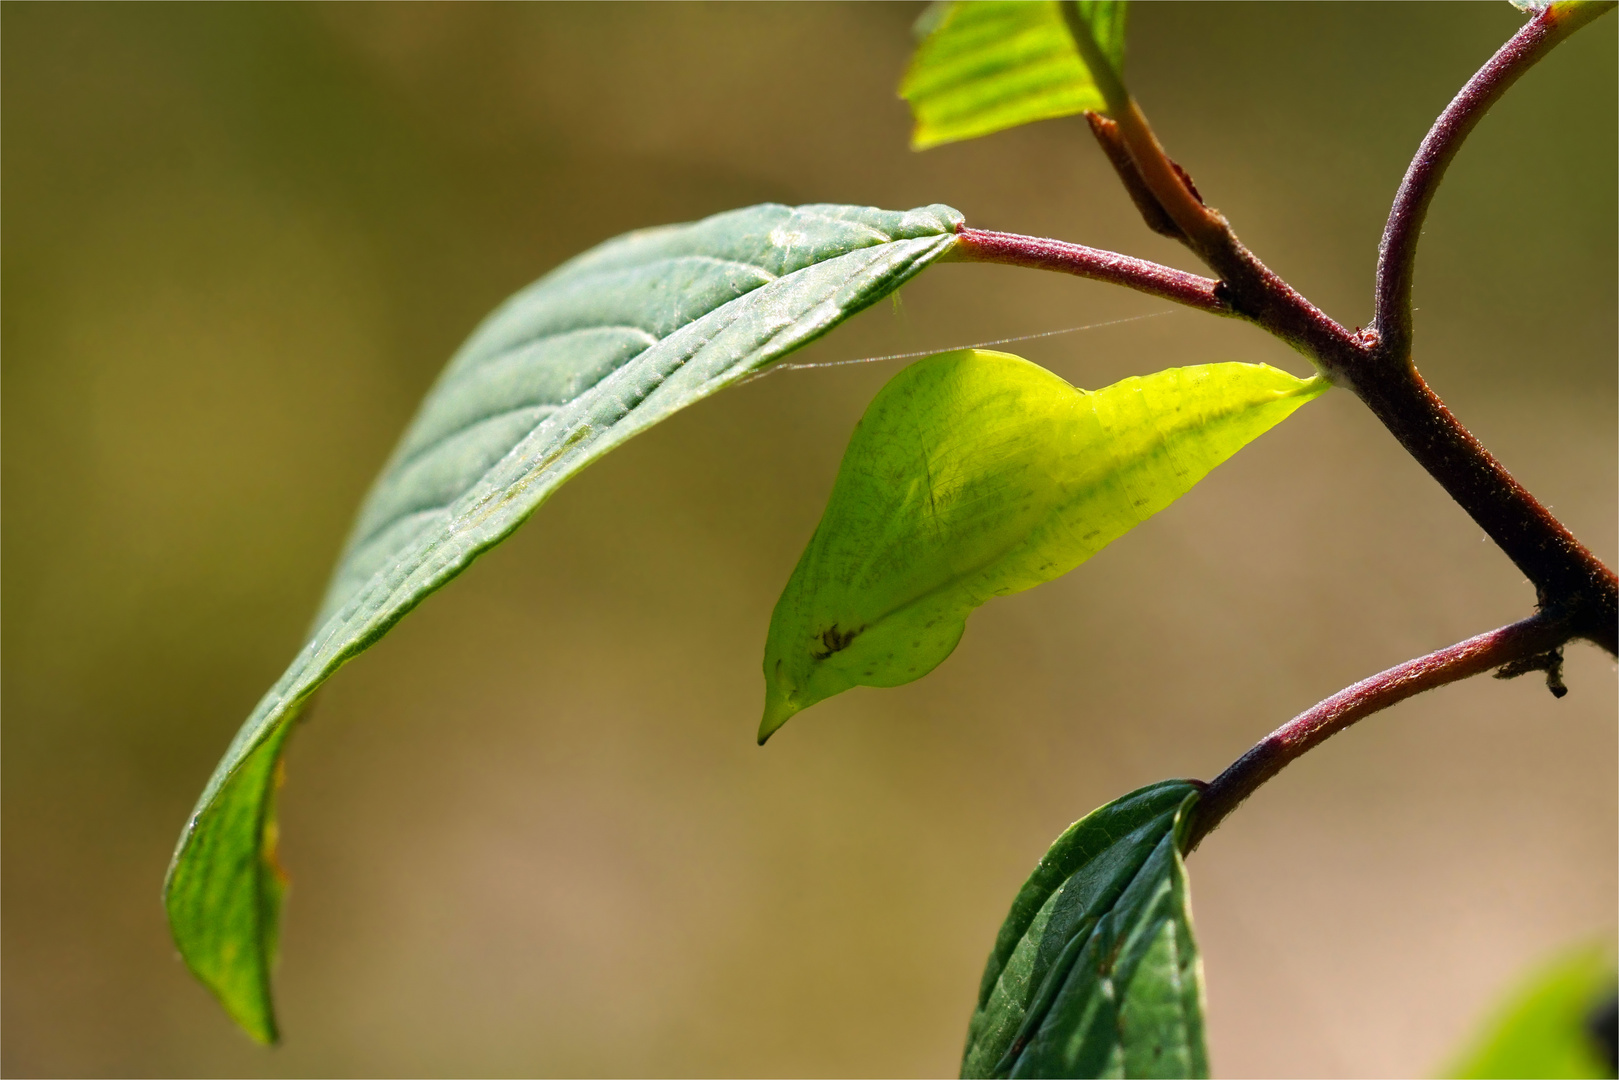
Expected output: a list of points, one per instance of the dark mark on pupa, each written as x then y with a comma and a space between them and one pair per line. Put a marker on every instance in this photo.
835, 640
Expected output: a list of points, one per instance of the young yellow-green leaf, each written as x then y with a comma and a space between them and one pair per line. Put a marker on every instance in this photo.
1548, 1025
977, 474
593, 353
1095, 971
987, 65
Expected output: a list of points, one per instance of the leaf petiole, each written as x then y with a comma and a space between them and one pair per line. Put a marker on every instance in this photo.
1540, 633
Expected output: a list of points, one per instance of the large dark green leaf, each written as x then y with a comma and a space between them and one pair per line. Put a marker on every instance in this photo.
596, 351
1095, 971
986, 65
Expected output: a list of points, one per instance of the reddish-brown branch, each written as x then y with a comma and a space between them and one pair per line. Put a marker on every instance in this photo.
1564, 571
1247, 284
1535, 635
1157, 172
1577, 594
1376, 363
1397, 254
980, 245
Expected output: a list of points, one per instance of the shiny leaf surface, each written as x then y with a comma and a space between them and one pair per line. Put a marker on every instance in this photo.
1095, 971
591, 354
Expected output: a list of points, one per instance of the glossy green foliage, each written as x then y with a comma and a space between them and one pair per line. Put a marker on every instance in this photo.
1095, 971
1548, 1025
977, 474
593, 353
986, 65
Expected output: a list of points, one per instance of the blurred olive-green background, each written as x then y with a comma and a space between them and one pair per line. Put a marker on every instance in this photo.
530, 832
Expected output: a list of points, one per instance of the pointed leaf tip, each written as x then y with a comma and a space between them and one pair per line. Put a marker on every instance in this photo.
779, 708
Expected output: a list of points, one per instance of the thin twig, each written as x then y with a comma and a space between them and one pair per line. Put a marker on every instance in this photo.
1397, 254
980, 245
1537, 634
1247, 285
1563, 570
1200, 225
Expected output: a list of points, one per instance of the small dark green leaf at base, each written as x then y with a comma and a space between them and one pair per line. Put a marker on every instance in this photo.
1096, 970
